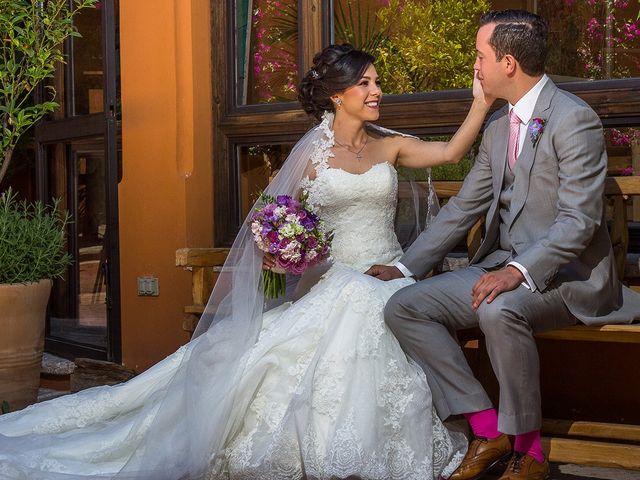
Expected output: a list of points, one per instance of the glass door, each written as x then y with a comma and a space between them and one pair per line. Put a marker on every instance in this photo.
78, 162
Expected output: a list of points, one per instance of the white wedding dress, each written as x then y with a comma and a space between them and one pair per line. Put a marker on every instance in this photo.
326, 391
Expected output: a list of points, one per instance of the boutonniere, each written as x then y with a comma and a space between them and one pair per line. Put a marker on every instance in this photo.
536, 127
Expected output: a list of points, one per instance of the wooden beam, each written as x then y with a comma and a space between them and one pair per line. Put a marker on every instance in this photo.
202, 281
604, 333
613, 186
190, 322
585, 452
310, 21
194, 309
622, 185
609, 431
447, 189
201, 257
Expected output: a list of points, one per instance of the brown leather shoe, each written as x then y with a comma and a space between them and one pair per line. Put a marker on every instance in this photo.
483, 454
523, 467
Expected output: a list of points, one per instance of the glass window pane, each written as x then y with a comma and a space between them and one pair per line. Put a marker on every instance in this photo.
78, 304
266, 34
422, 45
593, 39
87, 62
258, 164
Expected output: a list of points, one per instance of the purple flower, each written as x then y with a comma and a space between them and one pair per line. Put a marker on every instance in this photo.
536, 127
284, 243
283, 200
292, 255
627, 172
308, 223
268, 210
284, 264
312, 242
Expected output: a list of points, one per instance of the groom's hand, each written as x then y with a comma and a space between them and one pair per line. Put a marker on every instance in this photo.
492, 284
384, 272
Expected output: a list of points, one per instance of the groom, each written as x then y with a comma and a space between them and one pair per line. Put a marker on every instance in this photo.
545, 260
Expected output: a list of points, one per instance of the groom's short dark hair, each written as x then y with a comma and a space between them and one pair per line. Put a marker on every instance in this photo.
522, 34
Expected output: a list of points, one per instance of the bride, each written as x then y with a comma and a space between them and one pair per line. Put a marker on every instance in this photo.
315, 388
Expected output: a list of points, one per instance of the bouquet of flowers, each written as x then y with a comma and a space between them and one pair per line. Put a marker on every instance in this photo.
289, 230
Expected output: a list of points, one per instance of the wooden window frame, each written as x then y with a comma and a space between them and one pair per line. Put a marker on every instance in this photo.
617, 102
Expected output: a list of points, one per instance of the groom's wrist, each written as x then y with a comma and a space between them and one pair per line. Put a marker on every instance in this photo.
527, 281
404, 270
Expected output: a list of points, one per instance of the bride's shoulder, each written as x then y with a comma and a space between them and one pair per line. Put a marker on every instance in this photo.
388, 136
388, 142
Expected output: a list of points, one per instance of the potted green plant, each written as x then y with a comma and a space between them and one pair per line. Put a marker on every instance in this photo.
32, 253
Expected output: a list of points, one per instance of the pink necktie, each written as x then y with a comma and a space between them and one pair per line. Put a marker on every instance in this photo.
514, 134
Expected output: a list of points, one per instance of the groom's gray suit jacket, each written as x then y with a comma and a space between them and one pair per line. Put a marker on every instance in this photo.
557, 229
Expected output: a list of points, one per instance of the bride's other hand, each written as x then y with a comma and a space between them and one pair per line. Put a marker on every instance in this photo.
268, 261
384, 272
478, 92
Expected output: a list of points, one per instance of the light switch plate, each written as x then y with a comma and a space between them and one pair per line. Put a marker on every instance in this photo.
148, 286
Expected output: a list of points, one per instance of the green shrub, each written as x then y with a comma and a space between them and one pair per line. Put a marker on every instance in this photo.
427, 45
32, 240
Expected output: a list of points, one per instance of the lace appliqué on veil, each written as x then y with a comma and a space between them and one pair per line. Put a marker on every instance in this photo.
322, 149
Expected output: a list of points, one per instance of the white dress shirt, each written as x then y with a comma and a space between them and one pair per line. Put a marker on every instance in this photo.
524, 109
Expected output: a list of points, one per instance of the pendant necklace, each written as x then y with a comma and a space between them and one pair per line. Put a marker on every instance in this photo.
358, 154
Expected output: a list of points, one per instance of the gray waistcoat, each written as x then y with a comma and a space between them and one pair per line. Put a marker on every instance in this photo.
505, 209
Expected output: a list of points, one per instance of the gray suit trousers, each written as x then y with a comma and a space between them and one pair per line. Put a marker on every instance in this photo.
424, 315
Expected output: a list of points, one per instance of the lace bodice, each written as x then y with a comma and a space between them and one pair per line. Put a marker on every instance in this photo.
360, 210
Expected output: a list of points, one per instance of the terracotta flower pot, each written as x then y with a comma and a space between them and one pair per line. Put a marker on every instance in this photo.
22, 320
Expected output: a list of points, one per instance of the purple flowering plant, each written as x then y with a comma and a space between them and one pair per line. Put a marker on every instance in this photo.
536, 127
293, 233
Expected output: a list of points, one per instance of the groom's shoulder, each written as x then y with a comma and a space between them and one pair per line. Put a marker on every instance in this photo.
567, 99
499, 113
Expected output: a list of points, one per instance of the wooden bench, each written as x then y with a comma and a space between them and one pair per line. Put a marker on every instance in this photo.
589, 443
204, 265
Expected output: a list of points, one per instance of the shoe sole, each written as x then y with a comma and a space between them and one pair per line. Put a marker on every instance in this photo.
497, 461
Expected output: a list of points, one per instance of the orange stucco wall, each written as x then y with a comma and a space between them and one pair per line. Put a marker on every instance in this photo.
165, 194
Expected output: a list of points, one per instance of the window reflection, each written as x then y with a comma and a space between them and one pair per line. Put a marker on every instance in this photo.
422, 45
266, 34
258, 165
79, 301
593, 39
87, 62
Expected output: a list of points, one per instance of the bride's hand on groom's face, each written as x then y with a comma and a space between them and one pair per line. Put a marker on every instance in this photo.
478, 92
384, 272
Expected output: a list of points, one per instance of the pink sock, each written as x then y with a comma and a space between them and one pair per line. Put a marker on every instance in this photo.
484, 423
530, 444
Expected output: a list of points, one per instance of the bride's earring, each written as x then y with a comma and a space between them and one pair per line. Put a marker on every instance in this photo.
338, 103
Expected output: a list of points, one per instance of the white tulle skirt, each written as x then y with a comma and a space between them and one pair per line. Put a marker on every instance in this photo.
326, 392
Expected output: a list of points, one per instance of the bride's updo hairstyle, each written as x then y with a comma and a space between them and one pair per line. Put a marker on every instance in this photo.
334, 69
